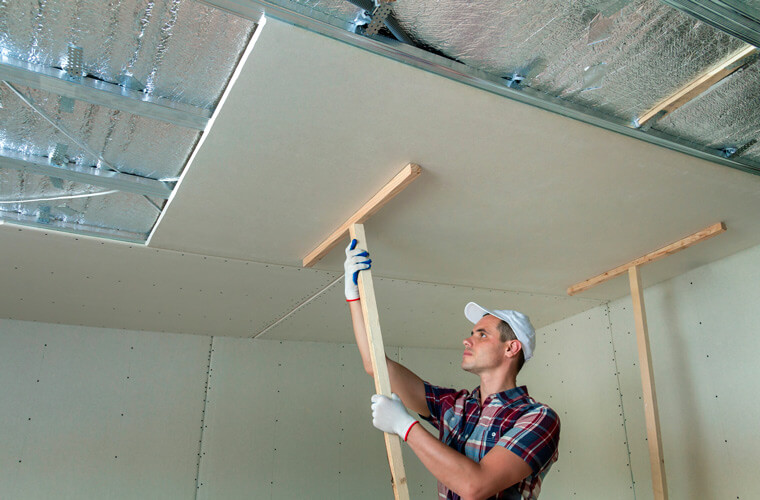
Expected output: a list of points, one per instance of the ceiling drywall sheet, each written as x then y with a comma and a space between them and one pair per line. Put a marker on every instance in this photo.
60, 278
57, 278
511, 198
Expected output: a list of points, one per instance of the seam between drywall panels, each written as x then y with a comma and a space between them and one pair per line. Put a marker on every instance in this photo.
201, 447
620, 395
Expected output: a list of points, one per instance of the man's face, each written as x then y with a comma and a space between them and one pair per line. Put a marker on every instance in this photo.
483, 349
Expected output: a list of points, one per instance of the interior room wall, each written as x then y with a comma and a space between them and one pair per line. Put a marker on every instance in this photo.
99, 413
703, 331
123, 414
103, 413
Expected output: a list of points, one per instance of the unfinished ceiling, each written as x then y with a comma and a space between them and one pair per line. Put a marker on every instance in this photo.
106, 99
265, 136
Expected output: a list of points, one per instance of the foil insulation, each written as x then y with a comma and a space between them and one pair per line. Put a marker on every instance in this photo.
178, 49
41, 199
725, 116
52, 201
740, 18
131, 143
20, 189
617, 57
24, 131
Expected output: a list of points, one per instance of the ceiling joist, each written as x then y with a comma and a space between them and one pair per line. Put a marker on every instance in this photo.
101, 93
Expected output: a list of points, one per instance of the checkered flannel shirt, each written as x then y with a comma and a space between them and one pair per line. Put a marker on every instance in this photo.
511, 419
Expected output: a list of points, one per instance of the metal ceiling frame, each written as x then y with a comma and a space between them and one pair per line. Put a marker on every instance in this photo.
85, 175
320, 23
728, 16
101, 93
72, 137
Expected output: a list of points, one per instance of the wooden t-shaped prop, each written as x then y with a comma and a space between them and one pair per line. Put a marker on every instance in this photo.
656, 459
369, 308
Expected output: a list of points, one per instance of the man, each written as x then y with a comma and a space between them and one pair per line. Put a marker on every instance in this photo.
496, 442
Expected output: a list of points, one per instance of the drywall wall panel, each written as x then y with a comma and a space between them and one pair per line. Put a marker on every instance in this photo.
96, 413
282, 419
290, 420
573, 371
364, 470
703, 329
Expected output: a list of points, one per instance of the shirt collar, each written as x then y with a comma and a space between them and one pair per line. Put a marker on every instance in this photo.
506, 397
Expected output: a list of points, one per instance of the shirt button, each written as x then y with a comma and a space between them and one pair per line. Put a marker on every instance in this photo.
493, 434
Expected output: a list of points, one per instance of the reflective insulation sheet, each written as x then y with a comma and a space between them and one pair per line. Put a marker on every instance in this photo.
43, 200
182, 50
133, 144
618, 57
58, 203
740, 18
24, 131
725, 116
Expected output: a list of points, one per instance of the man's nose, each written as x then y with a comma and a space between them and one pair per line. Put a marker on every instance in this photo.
467, 342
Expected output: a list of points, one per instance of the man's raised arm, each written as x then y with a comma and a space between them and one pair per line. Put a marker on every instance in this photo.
404, 382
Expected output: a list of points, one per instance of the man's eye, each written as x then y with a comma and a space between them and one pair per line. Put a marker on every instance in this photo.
483, 335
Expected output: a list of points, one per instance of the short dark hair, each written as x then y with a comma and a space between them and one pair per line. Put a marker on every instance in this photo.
506, 333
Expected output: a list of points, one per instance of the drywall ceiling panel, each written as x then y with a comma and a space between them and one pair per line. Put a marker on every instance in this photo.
57, 278
511, 198
414, 314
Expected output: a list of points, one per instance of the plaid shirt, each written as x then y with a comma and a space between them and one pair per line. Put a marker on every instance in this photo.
511, 419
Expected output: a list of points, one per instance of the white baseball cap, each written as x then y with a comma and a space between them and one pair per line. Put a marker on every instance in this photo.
519, 322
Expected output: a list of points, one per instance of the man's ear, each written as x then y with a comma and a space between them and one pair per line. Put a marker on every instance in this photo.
513, 348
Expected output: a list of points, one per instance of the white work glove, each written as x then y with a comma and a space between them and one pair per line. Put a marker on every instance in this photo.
390, 415
357, 259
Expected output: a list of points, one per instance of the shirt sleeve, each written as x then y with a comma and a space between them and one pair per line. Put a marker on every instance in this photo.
534, 438
438, 398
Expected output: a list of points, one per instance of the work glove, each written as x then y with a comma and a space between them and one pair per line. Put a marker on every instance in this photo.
357, 259
390, 415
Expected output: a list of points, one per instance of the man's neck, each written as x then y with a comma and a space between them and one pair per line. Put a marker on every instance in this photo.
492, 384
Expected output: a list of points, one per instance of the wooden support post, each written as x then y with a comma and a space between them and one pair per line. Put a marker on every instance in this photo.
657, 462
354, 227
379, 367
394, 187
